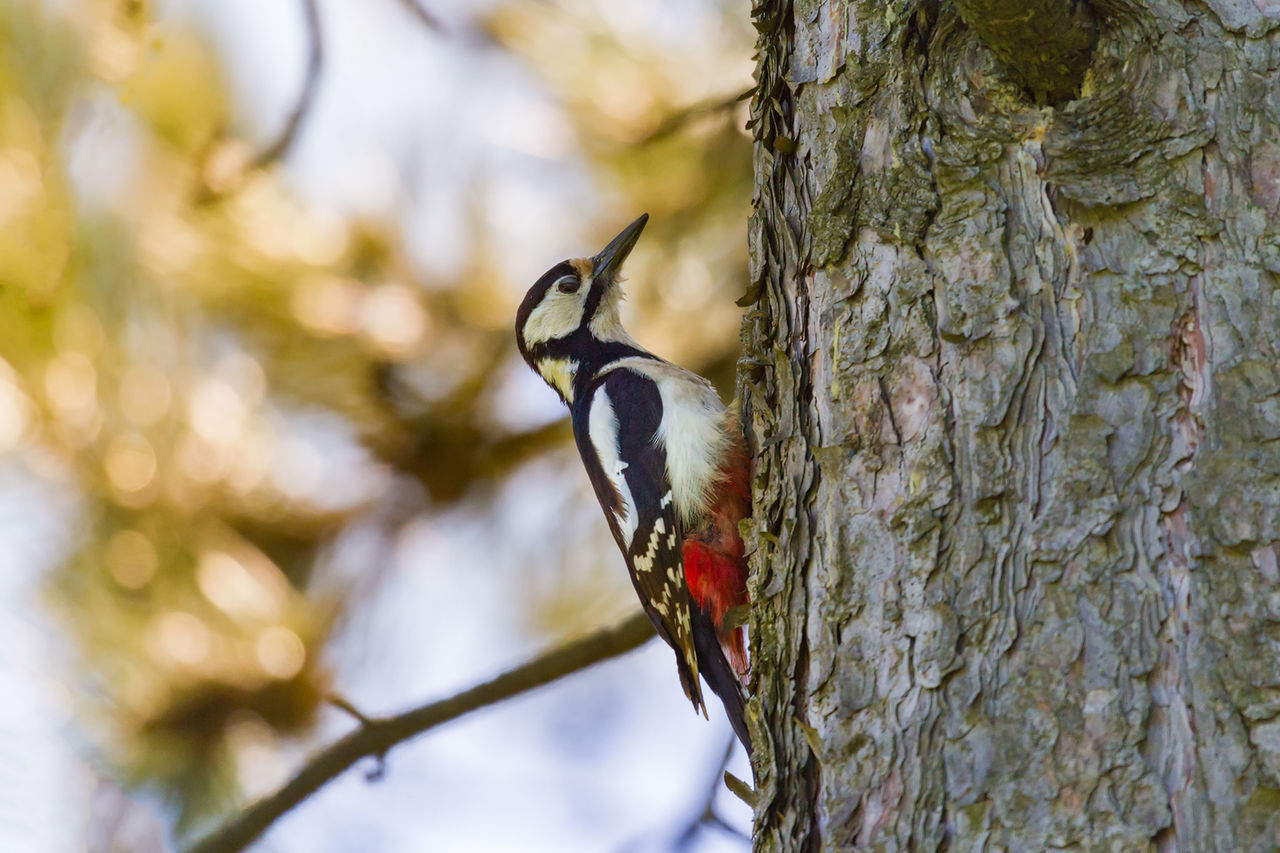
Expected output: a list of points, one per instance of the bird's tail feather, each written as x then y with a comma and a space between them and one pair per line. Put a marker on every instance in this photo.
718, 672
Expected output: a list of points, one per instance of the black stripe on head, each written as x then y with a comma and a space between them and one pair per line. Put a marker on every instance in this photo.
534, 296
598, 286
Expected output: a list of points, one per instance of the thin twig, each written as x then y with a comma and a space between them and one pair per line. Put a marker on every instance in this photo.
708, 815
379, 769
223, 169
315, 62
380, 734
425, 17
349, 709
740, 789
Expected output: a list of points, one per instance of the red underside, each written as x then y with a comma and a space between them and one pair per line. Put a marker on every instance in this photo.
717, 582
715, 567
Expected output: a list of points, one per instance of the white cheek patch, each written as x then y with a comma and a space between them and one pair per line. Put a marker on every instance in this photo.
602, 428
558, 315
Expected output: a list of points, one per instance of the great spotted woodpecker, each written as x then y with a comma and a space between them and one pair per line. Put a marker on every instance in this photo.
667, 461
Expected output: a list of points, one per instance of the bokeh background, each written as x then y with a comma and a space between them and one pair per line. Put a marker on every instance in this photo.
264, 434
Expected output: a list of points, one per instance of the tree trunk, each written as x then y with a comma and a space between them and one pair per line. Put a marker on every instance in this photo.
1011, 371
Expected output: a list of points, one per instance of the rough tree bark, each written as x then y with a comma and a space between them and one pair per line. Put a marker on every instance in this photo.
1011, 367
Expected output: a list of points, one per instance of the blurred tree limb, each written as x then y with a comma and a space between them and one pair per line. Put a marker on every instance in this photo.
679, 118
708, 816
377, 735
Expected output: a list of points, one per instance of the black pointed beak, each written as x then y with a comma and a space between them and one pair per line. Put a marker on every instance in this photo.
609, 261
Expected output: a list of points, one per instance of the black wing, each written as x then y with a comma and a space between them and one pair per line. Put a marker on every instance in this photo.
616, 425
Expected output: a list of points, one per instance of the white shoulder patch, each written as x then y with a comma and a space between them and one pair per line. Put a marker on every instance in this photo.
602, 429
692, 432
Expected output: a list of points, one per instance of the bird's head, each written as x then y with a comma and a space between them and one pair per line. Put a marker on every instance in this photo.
570, 315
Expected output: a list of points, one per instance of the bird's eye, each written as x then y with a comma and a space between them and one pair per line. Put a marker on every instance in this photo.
569, 284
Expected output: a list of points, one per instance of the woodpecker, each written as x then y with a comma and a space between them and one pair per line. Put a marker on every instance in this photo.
666, 459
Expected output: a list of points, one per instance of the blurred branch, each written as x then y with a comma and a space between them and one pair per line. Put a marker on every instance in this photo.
678, 119
509, 451
448, 445
708, 815
315, 61
343, 705
377, 735
424, 16
220, 176
705, 816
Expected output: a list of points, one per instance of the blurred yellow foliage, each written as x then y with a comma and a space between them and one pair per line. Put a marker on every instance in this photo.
176, 88
229, 378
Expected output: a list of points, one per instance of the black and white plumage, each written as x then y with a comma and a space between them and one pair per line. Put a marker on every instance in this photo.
628, 470
653, 438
